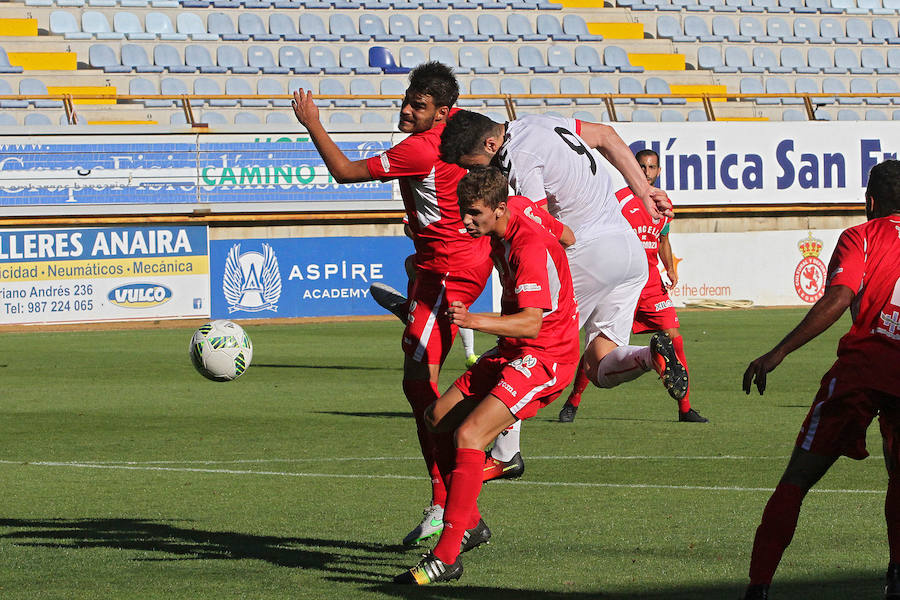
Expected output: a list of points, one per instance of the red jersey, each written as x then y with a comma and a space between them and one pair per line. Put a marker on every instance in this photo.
647, 229
537, 214
428, 187
534, 272
867, 260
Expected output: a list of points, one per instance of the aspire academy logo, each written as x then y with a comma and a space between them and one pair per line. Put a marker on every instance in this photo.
252, 281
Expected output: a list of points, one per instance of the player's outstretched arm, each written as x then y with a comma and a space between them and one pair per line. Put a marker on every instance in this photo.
524, 324
605, 139
341, 168
820, 317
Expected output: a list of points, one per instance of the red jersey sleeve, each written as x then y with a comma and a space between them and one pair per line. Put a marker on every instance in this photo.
848, 263
535, 212
413, 157
532, 283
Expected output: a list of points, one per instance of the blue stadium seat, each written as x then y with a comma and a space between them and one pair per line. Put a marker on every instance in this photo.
821, 60
65, 24
364, 87
301, 83
668, 27
160, 25
210, 87
602, 85
336, 87
222, 25
342, 25
642, 115
804, 85
402, 26
550, 26
587, 56
446, 55
808, 29
873, 114
311, 25
614, 56
823, 6
710, 57
6, 90
792, 114
561, 57
658, 85
292, 58
669, 115
764, 58
460, 26
752, 27
198, 57
859, 85
7, 120
861, 31
870, 58
322, 58
232, 59
696, 115
372, 26
509, 85
213, 118
885, 30
792, 59
393, 87
340, 118
518, 25
272, 87
893, 58
575, 25
251, 25
239, 87
37, 120
381, 58
411, 57
138, 86
544, 87
781, 30
246, 118
500, 57
352, 57
135, 57
532, 58
847, 114
96, 24
130, 25
190, 24
471, 59
695, 28
885, 85
279, 118
261, 59
36, 87
630, 85
777, 85
833, 31
572, 85
847, 59
724, 27
736, 56
432, 27
284, 28
371, 118
752, 85
103, 57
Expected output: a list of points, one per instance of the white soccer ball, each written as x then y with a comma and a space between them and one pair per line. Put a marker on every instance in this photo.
221, 350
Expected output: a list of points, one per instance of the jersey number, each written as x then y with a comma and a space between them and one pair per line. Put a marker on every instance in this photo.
573, 142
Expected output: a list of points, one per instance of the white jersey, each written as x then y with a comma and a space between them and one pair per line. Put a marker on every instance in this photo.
544, 157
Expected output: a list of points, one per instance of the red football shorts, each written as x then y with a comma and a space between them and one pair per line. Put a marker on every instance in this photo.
654, 312
842, 411
525, 384
429, 335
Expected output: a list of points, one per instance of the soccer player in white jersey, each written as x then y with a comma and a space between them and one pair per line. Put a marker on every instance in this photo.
548, 159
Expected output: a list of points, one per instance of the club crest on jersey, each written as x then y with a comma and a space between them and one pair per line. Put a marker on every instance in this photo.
524, 365
809, 276
252, 281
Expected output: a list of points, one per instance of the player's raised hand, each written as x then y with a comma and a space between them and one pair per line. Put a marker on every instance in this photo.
305, 109
659, 204
458, 313
759, 368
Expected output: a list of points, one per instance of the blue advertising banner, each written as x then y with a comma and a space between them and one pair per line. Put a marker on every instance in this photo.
307, 277
178, 170
103, 273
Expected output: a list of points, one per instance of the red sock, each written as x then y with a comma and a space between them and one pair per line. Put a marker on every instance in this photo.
421, 394
684, 404
462, 502
892, 516
775, 532
581, 383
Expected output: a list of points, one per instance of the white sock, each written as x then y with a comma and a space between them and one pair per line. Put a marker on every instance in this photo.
507, 443
622, 364
468, 340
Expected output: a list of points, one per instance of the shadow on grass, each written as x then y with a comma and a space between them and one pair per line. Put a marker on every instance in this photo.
326, 367
183, 543
377, 415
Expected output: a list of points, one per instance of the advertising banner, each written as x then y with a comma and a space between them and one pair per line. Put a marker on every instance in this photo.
103, 274
307, 277
769, 268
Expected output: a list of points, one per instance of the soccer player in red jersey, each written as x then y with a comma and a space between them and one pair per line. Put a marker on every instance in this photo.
536, 357
655, 311
864, 274
451, 266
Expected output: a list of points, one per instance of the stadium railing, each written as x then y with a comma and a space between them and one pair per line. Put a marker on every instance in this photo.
706, 98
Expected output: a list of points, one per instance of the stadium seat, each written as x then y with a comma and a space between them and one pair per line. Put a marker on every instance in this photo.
103, 57
6, 89
260, 58
65, 24
138, 86
402, 26
873, 114
7, 120
642, 115
847, 60
532, 58
335, 87
97, 25
298, 83
668, 27
753, 28
519, 26
561, 57
885, 31
544, 87
5, 67
251, 25
411, 57
696, 115
213, 118
382, 59
205, 86
589, 117
322, 58
893, 58
471, 59
777, 85
239, 87
371, 118
37, 120
885, 85
130, 25
190, 25
460, 26
36, 87
312, 26
342, 25
283, 28
509, 85
198, 57
550, 26
587, 56
160, 25
724, 27
576, 25
572, 85
821, 60
279, 118
371, 26
364, 87
232, 59
808, 29
246, 118
847, 114
292, 58
616, 57
272, 87
669, 115
804, 85
630, 85
499, 56
764, 58
792, 114
793, 61
352, 57
222, 25
752, 85
340, 118
135, 57
431, 26
696, 29
823, 6
870, 58
860, 85
602, 85
781, 31
710, 57
736, 57
833, 31
393, 87
861, 31
657, 85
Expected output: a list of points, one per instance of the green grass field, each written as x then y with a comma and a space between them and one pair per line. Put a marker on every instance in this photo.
127, 475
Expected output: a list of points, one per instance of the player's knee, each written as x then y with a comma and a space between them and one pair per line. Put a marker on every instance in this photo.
467, 436
431, 421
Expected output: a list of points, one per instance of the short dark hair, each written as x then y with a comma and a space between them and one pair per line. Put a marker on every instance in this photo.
436, 80
646, 152
487, 184
464, 134
884, 186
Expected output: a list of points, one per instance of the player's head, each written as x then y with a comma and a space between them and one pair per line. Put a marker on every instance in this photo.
482, 194
432, 90
649, 161
470, 139
883, 191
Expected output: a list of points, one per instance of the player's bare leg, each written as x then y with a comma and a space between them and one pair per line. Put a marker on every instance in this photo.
779, 519
686, 414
